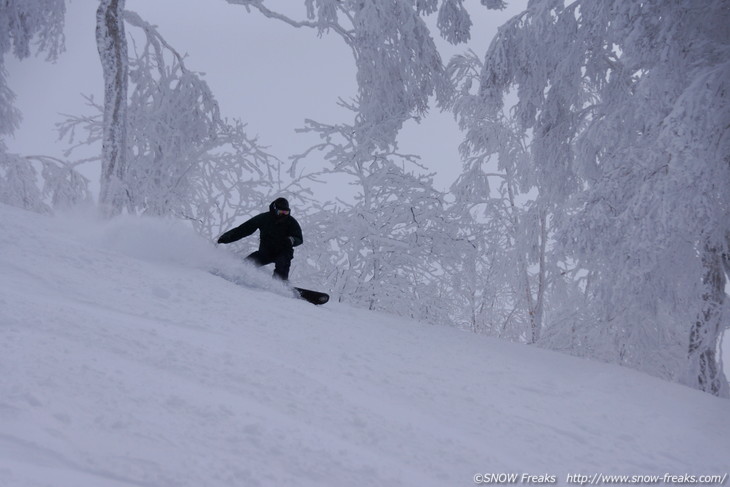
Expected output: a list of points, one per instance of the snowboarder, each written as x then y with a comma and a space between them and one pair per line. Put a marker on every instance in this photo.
279, 233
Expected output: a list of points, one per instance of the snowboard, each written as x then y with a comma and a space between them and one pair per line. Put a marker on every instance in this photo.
314, 297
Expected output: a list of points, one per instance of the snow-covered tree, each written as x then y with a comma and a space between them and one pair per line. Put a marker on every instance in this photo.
385, 250
185, 158
507, 223
626, 104
19, 184
398, 66
182, 157
22, 23
58, 185
111, 42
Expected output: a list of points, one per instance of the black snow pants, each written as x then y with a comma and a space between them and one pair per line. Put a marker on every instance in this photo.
281, 261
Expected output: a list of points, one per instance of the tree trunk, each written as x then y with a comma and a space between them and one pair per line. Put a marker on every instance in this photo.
534, 309
111, 42
705, 367
541, 279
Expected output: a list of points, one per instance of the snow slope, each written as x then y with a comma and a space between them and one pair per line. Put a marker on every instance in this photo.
124, 363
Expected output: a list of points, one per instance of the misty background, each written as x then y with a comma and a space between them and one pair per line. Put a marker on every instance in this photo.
266, 73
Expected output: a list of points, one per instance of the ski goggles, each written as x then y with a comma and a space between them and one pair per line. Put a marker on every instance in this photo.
282, 212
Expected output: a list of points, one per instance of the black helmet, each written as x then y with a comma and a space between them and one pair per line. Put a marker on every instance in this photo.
280, 206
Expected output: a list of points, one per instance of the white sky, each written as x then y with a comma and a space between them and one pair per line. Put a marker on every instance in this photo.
268, 74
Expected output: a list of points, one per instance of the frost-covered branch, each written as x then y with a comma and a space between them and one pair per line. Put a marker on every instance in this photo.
21, 23
57, 186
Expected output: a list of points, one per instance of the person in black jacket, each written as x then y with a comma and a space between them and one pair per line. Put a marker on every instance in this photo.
279, 233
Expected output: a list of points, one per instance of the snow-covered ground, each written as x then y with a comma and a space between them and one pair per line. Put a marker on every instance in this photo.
123, 362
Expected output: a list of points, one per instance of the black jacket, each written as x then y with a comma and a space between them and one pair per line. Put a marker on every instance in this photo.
274, 233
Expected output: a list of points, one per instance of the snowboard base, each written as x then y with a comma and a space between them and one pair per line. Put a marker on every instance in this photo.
314, 297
